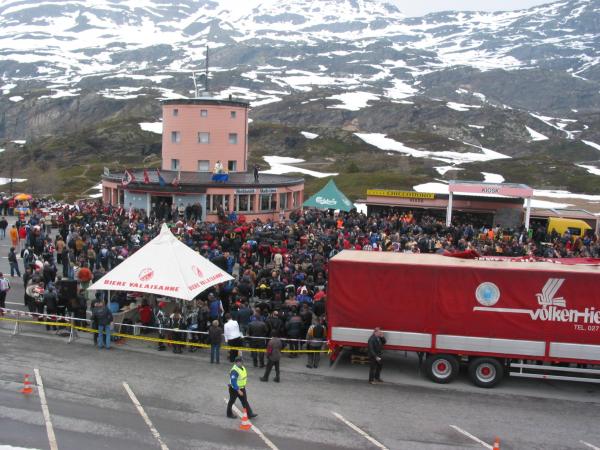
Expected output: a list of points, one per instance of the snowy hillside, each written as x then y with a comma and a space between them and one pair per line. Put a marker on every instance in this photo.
282, 46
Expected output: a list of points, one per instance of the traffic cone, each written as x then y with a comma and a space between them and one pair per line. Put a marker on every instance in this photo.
26, 386
497, 444
245, 425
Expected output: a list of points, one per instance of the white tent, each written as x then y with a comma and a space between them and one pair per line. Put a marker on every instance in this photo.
164, 266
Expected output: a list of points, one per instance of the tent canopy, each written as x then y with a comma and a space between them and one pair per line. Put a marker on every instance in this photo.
330, 197
164, 266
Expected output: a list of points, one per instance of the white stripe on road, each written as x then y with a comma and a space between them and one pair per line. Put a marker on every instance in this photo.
254, 428
590, 445
470, 436
359, 431
137, 404
45, 410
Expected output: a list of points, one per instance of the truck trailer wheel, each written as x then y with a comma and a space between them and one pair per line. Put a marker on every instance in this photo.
441, 368
486, 372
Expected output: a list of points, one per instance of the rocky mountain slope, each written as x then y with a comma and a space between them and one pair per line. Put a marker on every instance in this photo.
453, 90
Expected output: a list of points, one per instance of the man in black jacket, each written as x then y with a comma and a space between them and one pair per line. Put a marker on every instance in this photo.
375, 348
258, 329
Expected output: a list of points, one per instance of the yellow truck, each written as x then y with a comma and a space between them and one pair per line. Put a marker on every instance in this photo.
576, 227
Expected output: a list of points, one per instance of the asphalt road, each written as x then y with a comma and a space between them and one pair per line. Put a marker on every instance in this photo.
182, 398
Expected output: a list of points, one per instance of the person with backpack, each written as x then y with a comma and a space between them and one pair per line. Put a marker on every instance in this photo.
315, 338
102, 315
14, 264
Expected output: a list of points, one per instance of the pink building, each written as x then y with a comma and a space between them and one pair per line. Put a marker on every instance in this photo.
204, 165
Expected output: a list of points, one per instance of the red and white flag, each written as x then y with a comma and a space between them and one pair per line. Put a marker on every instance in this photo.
146, 176
128, 177
175, 181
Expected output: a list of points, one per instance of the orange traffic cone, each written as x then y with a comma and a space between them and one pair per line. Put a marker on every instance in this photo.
245, 425
26, 386
497, 444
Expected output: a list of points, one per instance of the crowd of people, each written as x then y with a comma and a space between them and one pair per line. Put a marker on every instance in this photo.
280, 268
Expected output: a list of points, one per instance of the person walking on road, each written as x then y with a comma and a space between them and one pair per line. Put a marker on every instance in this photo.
14, 236
273, 356
103, 316
4, 288
375, 349
3, 227
238, 378
14, 264
215, 334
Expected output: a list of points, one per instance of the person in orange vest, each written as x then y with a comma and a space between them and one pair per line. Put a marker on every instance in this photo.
14, 236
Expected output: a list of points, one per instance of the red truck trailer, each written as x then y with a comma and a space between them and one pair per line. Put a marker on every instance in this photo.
527, 319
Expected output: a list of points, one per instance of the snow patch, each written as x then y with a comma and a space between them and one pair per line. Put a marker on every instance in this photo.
153, 127
61, 94
353, 101
15, 180
492, 177
591, 144
281, 165
400, 90
461, 106
309, 135
591, 169
563, 194
20, 141
479, 127
443, 169
535, 136
16, 98
384, 143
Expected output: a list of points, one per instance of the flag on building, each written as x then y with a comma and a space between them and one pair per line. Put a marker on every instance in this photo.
128, 177
175, 181
146, 177
161, 180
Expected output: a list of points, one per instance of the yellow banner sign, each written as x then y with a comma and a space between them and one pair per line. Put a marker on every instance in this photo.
401, 194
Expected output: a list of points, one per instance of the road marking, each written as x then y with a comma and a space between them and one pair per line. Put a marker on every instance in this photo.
254, 428
590, 445
140, 409
470, 436
359, 431
45, 411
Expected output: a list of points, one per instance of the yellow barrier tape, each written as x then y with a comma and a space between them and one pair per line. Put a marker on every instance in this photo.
153, 339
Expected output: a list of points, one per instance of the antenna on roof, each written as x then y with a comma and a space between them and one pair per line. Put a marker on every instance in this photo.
198, 75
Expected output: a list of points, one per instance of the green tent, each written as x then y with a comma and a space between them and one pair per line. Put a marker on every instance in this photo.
330, 197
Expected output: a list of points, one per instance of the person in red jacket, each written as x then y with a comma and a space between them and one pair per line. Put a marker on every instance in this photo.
146, 315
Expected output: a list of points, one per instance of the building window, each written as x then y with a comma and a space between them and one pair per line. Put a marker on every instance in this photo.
204, 137
283, 204
233, 138
233, 114
295, 199
175, 137
204, 113
244, 202
174, 164
175, 112
203, 165
215, 200
267, 202
232, 166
